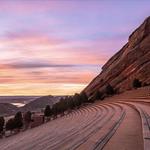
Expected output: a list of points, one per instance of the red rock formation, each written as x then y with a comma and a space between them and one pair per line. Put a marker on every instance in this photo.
132, 61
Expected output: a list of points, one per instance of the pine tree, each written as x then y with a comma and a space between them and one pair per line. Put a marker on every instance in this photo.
47, 111
18, 120
10, 124
27, 116
136, 83
83, 97
98, 96
109, 90
2, 122
27, 119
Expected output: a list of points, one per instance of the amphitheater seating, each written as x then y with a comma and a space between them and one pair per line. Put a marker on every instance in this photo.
88, 128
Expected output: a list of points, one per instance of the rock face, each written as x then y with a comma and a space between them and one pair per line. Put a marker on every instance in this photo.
132, 61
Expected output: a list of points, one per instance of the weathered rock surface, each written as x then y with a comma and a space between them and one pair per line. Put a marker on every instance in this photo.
132, 61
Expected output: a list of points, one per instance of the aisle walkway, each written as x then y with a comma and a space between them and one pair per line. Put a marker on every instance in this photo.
129, 134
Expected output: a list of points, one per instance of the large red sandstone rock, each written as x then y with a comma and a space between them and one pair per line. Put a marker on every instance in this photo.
132, 61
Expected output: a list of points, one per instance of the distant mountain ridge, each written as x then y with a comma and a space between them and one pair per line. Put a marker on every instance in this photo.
40, 103
17, 99
7, 109
132, 61
35, 104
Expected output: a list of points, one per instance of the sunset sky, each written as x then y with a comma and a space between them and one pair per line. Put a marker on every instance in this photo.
58, 46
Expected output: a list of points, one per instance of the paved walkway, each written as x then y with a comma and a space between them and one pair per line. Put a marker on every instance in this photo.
129, 134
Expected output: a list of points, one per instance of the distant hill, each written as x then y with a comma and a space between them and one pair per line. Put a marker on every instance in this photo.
32, 103
7, 109
132, 61
40, 103
17, 99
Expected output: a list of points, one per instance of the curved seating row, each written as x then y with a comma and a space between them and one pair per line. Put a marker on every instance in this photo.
144, 113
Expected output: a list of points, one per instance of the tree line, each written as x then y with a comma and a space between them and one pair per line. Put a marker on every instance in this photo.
74, 102
15, 123
65, 105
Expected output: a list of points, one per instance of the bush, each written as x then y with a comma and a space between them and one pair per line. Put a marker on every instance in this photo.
109, 90
55, 110
83, 97
27, 117
145, 84
91, 100
15, 123
2, 122
10, 124
136, 83
77, 100
98, 95
18, 120
62, 105
47, 111
71, 103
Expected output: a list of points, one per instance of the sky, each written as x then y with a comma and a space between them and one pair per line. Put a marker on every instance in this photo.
56, 47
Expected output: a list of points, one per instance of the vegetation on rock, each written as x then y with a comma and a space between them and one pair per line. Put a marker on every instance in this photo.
2, 122
137, 83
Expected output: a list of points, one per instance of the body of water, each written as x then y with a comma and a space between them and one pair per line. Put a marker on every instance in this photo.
18, 104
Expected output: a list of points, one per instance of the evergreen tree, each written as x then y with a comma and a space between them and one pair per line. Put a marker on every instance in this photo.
27, 119
109, 90
28, 116
55, 110
83, 97
47, 111
71, 103
98, 96
2, 122
10, 124
136, 83
18, 119
77, 100
91, 100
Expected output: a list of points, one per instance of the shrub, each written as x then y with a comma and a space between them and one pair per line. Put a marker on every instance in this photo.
98, 95
55, 110
83, 97
136, 83
2, 122
27, 117
10, 124
77, 100
71, 103
47, 111
63, 105
145, 84
18, 120
109, 90
91, 100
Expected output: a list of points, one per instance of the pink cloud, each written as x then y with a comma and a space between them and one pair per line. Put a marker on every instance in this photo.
45, 76
52, 49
